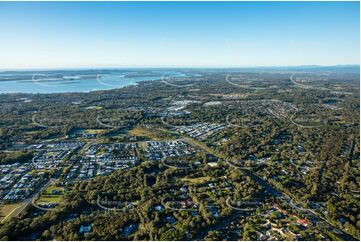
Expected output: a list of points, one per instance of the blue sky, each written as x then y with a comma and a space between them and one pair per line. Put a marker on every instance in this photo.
158, 34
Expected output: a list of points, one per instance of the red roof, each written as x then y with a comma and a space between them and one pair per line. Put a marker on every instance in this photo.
303, 222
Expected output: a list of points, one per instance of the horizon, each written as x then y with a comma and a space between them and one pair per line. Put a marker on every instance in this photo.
53, 35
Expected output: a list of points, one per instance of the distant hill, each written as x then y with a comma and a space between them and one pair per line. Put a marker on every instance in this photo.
306, 68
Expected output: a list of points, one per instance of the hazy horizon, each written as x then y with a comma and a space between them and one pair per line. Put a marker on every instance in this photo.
178, 67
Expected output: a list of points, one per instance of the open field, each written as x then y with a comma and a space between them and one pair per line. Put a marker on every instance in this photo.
201, 145
196, 180
6, 209
52, 194
143, 132
155, 134
52, 188
94, 131
49, 199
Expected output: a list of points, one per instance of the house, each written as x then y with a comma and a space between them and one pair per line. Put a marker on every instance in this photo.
187, 203
131, 228
303, 222
261, 236
194, 213
212, 164
159, 208
183, 189
171, 219
342, 220
85, 228
213, 211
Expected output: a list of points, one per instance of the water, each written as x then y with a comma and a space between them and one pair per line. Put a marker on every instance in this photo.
66, 81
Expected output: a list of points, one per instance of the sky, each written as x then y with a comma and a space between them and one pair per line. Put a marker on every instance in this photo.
178, 34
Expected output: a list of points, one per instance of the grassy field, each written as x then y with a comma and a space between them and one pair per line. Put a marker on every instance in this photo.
94, 131
144, 132
202, 146
94, 107
47, 197
40, 170
5, 209
197, 180
51, 188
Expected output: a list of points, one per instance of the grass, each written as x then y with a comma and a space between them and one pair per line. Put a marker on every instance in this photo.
49, 153
94, 131
50, 198
144, 132
5, 209
202, 145
34, 171
135, 203
197, 180
50, 188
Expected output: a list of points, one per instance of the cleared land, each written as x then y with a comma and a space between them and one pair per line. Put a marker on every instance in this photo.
6, 209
